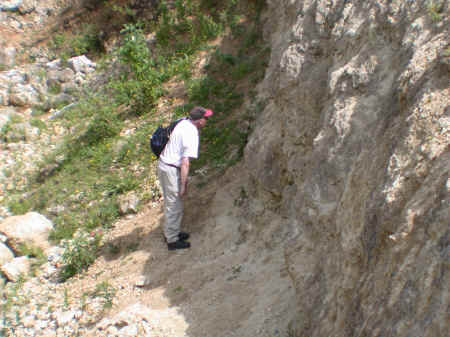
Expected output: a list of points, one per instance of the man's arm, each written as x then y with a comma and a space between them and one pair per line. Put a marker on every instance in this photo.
184, 175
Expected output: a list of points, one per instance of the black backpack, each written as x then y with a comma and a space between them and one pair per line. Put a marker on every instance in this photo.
161, 136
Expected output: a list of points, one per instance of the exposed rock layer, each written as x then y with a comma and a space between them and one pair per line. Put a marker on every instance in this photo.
352, 149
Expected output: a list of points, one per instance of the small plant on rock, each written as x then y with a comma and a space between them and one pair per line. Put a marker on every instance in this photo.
434, 8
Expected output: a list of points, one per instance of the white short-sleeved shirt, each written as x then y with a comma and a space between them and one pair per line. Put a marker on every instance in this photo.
183, 142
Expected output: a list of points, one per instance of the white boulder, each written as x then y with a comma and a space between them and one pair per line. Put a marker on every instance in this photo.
81, 64
6, 254
23, 95
15, 268
7, 56
31, 228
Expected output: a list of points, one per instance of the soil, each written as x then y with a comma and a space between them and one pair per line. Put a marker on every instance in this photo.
221, 286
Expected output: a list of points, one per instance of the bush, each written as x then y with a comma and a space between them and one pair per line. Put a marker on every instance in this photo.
139, 84
105, 124
434, 8
79, 253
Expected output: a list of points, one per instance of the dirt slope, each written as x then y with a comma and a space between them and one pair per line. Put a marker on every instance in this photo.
222, 286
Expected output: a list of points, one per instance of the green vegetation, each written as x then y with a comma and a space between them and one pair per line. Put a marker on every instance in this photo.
79, 253
13, 130
85, 41
105, 152
66, 299
13, 298
36, 254
434, 8
105, 291
37, 123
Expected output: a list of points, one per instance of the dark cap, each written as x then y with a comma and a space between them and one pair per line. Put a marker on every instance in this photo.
199, 112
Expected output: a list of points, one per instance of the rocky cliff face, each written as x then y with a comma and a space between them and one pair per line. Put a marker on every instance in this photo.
351, 153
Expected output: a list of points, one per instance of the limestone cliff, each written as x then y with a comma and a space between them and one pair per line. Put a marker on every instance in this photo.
351, 153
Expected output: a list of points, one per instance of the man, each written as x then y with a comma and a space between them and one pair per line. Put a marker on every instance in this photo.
173, 170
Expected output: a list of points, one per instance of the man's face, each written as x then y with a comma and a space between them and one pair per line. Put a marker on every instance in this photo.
202, 122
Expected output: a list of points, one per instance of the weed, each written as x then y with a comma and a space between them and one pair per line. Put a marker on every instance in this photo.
105, 291
446, 52
38, 110
102, 216
7, 127
7, 172
16, 118
83, 300
79, 253
37, 123
434, 8
132, 246
54, 89
66, 299
58, 41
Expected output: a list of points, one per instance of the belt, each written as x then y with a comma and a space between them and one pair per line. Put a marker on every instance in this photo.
170, 165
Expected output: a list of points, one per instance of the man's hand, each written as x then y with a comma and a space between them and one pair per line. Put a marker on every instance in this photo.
183, 190
184, 175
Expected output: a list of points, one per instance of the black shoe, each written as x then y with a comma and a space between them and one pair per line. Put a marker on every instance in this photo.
183, 236
178, 245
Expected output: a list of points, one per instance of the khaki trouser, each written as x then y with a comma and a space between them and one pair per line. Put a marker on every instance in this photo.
169, 179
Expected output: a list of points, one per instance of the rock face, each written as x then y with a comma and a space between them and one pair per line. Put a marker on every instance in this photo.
351, 154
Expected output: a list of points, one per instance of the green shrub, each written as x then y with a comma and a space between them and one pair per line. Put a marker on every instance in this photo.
434, 8
84, 41
38, 110
208, 28
105, 124
79, 253
87, 42
139, 84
